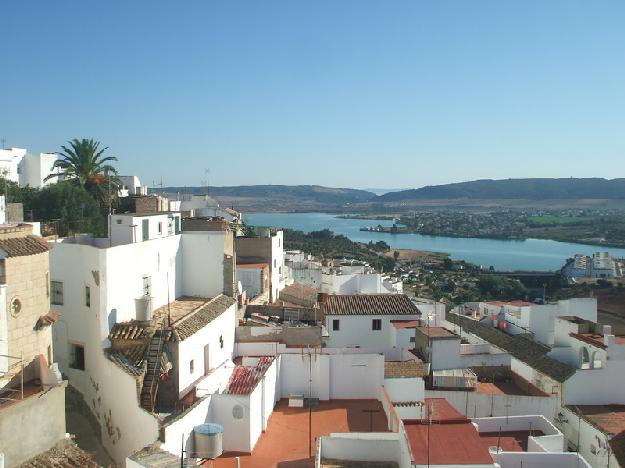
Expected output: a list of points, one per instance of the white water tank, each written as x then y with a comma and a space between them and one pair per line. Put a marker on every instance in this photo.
208, 440
144, 308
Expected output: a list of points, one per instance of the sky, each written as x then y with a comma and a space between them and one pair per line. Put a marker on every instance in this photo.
337, 93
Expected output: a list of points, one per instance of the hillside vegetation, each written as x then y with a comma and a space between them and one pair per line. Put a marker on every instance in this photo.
533, 189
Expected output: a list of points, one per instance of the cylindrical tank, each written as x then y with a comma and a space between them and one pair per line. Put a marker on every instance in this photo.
207, 440
144, 308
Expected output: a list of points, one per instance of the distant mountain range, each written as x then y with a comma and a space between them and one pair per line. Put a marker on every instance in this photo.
491, 192
531, 189
279, 197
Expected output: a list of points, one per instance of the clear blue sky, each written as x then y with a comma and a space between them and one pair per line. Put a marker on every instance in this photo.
338, 93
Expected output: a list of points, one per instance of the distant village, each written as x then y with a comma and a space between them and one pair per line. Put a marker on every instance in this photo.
186, 338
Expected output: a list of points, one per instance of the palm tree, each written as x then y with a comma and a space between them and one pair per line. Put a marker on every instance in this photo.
83, 162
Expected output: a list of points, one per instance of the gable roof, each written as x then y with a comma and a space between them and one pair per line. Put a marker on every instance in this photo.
197, 320
23, 246
368, 304
524, 349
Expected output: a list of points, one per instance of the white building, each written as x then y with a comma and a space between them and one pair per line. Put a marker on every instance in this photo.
600, 265
27, 169
520, 317
131, 185
266, 247
98, 284
365, 320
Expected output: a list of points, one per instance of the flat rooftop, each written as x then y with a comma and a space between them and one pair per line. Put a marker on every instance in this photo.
285, 443
436, 332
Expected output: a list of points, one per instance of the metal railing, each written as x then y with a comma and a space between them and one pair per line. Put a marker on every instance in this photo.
12, 391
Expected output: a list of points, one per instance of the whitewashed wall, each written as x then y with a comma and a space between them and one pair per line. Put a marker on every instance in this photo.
356, 330
481, 405
406, 389
203, 262
193, 348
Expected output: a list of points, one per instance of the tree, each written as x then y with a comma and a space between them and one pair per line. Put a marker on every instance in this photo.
395, 255
69, 208
83, 162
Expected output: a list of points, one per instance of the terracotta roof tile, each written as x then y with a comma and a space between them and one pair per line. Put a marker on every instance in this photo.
404, 369
47, 319
133, 330
23, 246
369, 304
197, 320
245, 378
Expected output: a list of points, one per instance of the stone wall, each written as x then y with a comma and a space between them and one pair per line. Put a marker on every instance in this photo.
28, 284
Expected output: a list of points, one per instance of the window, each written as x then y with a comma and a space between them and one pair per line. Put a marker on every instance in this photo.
57, 292
147, 285
376, 324
16, 307
336, 325
221, 341
47, 284
191, 366
275, 263
87, 296
77, 357
119, 221
160, 227
412, 339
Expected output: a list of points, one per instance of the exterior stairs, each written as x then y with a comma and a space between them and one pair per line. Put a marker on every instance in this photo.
153, 356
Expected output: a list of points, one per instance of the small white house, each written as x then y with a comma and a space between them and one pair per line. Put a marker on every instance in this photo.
365, 320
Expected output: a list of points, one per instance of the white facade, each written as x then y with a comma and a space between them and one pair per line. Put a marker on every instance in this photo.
131, 228
358, 330
131, 185
24, 168
252, 278
537, 319
116, 277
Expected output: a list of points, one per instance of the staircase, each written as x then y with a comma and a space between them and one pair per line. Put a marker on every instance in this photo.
150, 381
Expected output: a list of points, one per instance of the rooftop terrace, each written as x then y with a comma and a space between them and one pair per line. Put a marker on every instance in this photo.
285, 444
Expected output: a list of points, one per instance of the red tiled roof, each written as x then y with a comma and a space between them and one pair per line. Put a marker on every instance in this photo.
452, 438
245, 378
609, 419
590, 338
400, 324
368, 304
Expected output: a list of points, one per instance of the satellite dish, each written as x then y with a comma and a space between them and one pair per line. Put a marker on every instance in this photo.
239, 287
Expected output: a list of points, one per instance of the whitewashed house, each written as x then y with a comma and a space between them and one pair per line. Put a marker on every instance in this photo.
365, 320
131, 185
121, 328
27, 169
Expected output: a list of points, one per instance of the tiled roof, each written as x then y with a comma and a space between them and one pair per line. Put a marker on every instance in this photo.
609, 419
22, 246
127, 362
524, 349
197, 320
400, 324
369, 304
404, 369
133, 330
436, 332
245, 378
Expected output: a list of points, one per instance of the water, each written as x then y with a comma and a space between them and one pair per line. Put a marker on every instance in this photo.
504, 255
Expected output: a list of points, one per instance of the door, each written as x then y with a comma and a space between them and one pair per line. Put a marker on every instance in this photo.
146, 229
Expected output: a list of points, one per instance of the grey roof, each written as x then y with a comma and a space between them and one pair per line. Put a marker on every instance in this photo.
194, 322
524, 349
22, 246
368, 304
126, 362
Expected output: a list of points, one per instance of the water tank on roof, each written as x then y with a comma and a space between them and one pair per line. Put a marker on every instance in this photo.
208, 440
144, 308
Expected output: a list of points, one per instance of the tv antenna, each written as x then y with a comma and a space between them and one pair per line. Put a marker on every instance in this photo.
159, 184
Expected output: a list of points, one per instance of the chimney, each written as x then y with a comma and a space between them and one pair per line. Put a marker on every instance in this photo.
608, 337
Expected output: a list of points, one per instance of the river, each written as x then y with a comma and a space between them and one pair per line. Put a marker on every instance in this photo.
504, 255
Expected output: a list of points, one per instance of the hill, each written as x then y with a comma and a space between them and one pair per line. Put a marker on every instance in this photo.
280, 197
528, 189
